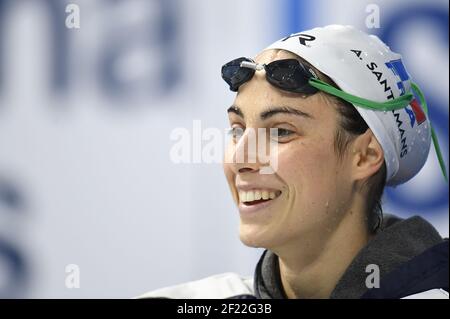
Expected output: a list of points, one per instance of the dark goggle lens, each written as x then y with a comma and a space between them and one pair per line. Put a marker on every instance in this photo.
289, 75
234, 75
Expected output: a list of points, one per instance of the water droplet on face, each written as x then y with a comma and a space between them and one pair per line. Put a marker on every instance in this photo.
327, 204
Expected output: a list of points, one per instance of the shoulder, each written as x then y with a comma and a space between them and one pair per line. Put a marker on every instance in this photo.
221, 286
424, 276
429, 294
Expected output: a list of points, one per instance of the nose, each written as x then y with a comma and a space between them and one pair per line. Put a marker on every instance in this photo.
245, 157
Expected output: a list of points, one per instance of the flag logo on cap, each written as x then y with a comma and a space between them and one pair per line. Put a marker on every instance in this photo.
416, 113
397, 67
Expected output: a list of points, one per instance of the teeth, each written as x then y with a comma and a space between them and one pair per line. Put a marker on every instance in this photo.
253, 195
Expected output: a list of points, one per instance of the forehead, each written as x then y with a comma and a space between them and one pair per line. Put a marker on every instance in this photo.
268, 56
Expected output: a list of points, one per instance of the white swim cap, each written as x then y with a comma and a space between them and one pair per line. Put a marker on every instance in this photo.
362, 65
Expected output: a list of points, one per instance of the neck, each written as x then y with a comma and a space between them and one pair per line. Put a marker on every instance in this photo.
312, 271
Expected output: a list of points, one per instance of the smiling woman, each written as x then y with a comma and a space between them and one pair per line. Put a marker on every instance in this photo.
340, 139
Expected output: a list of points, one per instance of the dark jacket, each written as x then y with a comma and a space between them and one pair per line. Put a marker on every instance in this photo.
411, 255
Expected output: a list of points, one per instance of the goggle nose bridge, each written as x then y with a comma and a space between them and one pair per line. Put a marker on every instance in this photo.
252, 65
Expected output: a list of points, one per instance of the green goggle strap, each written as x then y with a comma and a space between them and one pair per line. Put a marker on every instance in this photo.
424, 105
394, 104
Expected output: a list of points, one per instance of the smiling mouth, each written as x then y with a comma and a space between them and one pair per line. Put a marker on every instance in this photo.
254, 197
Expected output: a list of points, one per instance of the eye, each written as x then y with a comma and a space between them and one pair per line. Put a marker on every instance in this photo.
284, 132
279, 133
236, 132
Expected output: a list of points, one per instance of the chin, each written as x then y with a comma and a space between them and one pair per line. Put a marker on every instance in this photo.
254, 236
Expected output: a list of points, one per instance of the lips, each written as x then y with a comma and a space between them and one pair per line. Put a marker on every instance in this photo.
256, 199
255, 196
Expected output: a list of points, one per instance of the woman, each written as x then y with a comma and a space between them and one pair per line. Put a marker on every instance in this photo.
346, 124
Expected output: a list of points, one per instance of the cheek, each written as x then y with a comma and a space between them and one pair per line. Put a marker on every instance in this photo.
228, 159
227, 154
230, 177
311, 162
309, 172
228, 172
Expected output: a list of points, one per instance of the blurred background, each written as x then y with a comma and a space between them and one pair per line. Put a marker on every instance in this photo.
85, 122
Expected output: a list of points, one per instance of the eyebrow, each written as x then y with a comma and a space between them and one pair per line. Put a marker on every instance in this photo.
272, 111
236, 110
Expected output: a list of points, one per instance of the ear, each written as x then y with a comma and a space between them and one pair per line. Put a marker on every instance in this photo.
367, 156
